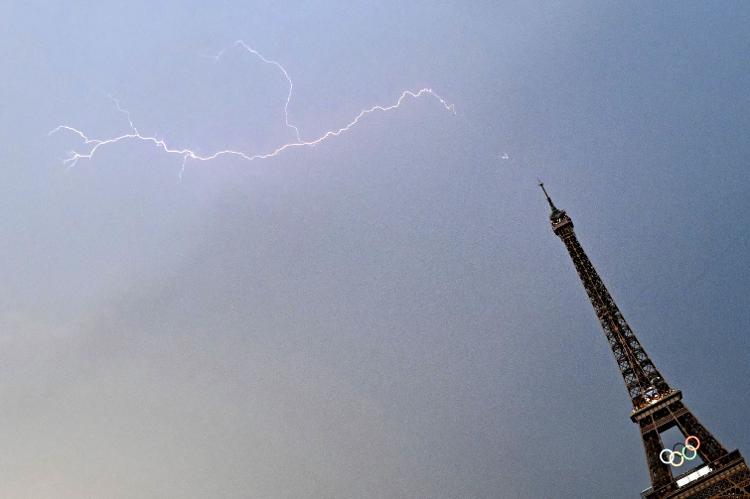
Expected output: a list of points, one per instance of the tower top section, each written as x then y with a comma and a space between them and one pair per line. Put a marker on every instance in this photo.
558, 218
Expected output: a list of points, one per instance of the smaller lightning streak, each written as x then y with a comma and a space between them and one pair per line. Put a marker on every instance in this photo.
125, 112
240, 43
186, 154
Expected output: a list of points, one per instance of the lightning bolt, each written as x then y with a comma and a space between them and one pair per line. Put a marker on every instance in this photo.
95, 145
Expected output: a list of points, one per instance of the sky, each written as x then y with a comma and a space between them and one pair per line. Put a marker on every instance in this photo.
386, 314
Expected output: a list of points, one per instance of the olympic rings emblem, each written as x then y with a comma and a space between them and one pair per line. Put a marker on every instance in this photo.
687, 453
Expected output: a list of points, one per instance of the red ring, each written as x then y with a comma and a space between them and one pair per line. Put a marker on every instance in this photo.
697, 440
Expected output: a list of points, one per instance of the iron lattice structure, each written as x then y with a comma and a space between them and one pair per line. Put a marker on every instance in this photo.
656, 406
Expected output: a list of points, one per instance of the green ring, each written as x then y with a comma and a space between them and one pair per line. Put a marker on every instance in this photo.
691, 448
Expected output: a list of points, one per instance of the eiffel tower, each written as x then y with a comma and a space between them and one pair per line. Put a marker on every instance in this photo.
656, 406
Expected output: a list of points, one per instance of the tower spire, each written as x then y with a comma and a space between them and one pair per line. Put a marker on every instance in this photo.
549, 199
656, 406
